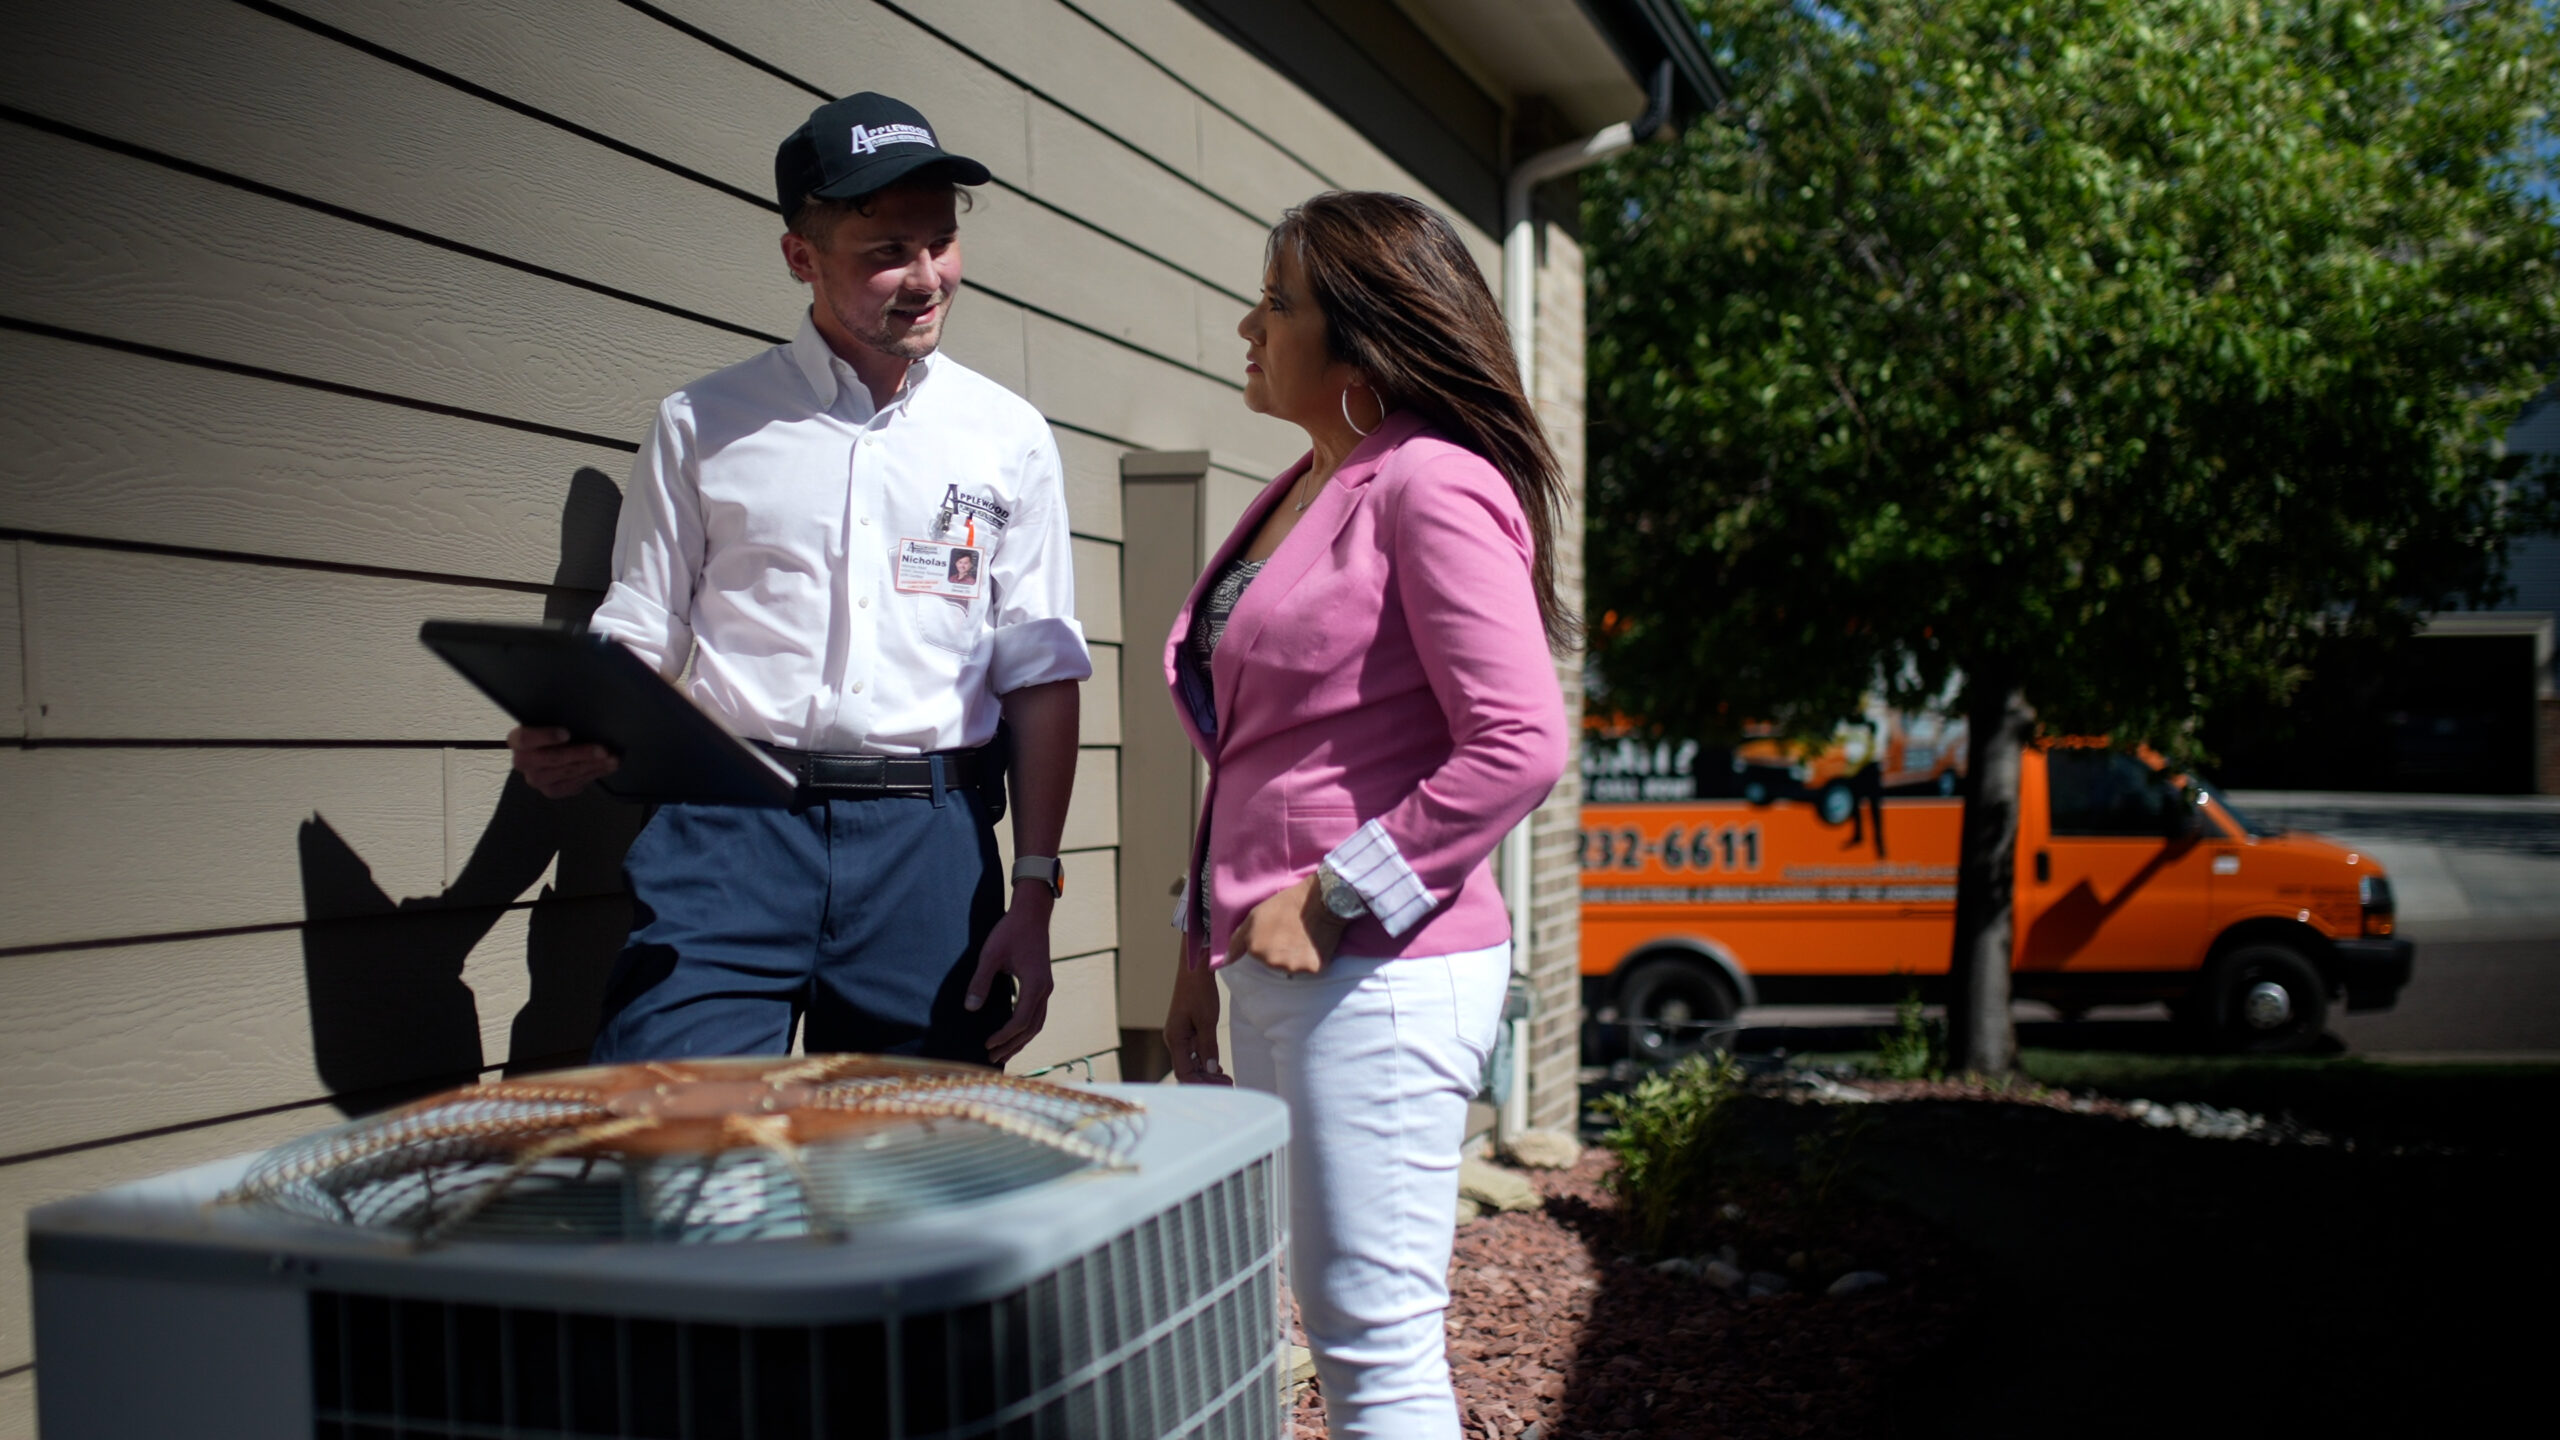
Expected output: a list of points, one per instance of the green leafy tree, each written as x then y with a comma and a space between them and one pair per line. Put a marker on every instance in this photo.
2095, 359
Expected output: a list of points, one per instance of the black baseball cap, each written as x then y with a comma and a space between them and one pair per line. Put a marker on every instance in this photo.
861, 143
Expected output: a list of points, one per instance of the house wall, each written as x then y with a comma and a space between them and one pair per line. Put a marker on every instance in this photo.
319, 318
1555, 880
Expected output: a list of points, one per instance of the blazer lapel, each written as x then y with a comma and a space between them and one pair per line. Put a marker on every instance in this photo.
1307, 542
1237, 538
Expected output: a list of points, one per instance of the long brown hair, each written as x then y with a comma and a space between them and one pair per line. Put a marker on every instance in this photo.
1404, 302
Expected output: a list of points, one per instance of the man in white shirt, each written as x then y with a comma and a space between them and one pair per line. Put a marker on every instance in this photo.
853, 550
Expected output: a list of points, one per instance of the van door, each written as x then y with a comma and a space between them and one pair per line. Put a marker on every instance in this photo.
2121, 884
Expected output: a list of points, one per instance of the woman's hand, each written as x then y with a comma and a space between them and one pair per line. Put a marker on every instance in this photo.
1291, 932
1191, 1028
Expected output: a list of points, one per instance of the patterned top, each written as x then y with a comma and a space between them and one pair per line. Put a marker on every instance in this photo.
1208, 627
1209, 622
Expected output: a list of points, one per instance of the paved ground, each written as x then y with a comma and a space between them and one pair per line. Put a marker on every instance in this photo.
2478, 884
2478, 881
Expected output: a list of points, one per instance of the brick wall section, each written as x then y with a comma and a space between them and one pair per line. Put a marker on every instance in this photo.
1555, 877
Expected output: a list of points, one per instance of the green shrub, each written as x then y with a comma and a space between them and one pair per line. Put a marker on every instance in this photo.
1915, 1048
1668, 1134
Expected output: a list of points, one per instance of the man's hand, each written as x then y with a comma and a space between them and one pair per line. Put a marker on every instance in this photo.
1019, 947
1191, 1028
555, 765
1291, 932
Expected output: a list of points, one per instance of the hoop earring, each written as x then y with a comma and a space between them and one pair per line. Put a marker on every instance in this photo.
1354, 424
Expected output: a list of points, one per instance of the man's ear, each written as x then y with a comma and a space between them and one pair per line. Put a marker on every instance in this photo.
799, 257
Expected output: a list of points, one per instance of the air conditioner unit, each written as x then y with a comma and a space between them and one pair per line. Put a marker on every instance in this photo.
932, 1271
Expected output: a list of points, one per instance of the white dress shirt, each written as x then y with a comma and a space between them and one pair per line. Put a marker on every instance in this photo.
759, 553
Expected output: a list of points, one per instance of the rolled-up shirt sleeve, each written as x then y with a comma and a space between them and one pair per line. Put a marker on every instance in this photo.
1374, 868
1033, 611
1462, 552
657, 548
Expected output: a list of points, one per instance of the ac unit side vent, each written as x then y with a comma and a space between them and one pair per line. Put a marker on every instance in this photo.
1170, 1329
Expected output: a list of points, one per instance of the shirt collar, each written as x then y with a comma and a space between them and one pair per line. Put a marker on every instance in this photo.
829, 377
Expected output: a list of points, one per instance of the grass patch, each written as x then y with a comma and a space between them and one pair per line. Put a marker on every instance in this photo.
1915, 1048
2489, 1105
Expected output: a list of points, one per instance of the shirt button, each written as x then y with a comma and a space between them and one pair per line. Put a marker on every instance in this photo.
857, 687
864, 602
866, 519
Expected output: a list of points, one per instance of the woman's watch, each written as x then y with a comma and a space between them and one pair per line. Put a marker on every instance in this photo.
1339, 898
1047, 869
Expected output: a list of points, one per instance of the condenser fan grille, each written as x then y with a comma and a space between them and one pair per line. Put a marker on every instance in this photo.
695, 1152
1167, 1330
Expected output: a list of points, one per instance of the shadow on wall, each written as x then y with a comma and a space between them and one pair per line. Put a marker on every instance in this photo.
392, 1018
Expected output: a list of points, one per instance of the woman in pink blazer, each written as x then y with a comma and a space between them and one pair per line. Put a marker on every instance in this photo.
1366, 664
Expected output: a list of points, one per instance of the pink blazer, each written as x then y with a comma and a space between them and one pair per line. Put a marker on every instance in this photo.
1386, 664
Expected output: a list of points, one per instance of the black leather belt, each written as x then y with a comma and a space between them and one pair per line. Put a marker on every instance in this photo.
832, 776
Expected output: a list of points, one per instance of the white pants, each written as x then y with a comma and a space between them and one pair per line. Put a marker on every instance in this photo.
1377, 1060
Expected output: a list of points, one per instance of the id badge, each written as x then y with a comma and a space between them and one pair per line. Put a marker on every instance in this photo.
933, 567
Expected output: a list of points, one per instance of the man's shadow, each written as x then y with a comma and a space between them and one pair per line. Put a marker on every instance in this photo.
391, 1018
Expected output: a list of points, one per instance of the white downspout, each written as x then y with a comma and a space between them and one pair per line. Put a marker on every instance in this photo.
1519, 236
1520, 309
1520, 306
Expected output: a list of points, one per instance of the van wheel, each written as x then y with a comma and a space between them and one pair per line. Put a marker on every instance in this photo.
2267, 999
1674, 1008
1836, 803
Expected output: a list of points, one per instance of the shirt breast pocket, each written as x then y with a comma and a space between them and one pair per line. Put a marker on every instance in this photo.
944, 622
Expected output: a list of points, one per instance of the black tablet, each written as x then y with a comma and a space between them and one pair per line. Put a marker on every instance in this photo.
596, 690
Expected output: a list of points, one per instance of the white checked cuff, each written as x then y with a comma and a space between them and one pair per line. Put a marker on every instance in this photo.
1370, 863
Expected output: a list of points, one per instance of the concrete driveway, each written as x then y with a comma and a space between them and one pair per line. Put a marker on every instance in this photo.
2478, 882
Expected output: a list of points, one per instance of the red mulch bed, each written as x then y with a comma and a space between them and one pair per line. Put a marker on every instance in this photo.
1552, 1325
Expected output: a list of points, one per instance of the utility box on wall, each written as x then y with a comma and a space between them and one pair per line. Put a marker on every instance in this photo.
1177, 506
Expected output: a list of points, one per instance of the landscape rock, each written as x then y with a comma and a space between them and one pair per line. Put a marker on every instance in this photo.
1469, 1210
1676, 1265
1855, 1282
1540, 1303
1542, 1150
1722, 1274
2202, 1121
1495, 1188
1768, 1282
1832, 1092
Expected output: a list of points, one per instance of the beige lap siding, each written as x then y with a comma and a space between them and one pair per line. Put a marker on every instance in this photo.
13, 674
119, 1039
222, 461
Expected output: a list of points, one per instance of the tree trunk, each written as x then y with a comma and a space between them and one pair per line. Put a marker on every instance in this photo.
1980, 1037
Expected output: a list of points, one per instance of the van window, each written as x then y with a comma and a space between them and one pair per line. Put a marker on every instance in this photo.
2106, 792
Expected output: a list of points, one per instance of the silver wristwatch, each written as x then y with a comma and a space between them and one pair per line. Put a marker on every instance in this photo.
1337, 894
1047, 869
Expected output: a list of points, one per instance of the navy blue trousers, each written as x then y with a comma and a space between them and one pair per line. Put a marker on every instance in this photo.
864, 916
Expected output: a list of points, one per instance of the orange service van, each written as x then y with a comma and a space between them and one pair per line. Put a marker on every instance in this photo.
1714, 879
